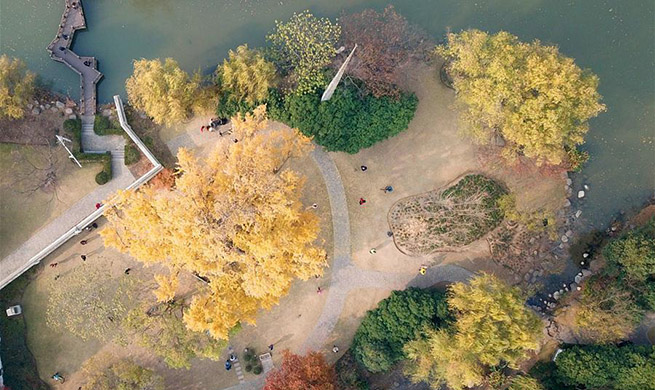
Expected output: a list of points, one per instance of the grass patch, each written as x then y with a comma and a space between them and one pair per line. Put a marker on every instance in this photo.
448, 219
132, 154
20, 370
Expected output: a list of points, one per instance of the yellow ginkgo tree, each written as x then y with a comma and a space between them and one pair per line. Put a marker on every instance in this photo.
234, 218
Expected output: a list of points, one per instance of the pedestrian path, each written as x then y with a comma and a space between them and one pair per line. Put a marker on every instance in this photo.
236, 365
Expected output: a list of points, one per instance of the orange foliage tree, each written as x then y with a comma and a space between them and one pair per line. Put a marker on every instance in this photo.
234, 219
310, 372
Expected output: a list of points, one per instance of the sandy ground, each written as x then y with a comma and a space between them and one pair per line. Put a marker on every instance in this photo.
430, 154
23, 214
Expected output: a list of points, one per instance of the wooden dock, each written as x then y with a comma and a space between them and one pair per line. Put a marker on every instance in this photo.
87, 67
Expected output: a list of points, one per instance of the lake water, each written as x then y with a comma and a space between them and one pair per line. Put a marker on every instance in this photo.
616, 39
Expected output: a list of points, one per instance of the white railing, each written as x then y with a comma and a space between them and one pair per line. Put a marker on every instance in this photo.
77, 229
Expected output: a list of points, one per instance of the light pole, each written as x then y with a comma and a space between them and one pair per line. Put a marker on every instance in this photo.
70, 154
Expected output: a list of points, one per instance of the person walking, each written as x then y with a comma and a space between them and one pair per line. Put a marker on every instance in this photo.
362, 201
127, 271
387, 189
53, 265
335, 349
319, 291
83, 242
373, 251
363, 168
83, 257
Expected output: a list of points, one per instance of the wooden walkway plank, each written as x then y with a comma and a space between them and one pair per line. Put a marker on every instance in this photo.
87, 67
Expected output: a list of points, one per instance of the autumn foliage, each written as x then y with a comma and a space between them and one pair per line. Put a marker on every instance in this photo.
310, 372
538, 100
234, 218
385, 41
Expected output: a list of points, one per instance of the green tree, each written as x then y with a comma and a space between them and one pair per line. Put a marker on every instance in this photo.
160, 329
121, 374
380, 338
492, 326
246, 75
347, 122
537, 99
162, 90
628, 367
633, 255
303, 47
16, 87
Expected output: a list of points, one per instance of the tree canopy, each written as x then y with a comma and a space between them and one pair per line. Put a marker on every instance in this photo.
160, 329
16, 87
234, 218
633, 254
606, 312
162, 90
246, 75
537, 99
628, 367
301, 373
347, 122
121, 374
386, 41
379, 340
492, 326
303, 46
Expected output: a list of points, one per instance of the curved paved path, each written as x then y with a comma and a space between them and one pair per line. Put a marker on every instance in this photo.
346, 276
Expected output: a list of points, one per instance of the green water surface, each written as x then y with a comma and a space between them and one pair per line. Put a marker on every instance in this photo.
616, 39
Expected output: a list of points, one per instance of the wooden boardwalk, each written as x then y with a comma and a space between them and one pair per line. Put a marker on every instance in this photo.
87, 67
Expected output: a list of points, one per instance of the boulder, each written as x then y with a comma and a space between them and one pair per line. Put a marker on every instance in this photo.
47, 106
578, 213
580, 194
60, 105
68, 111
573, 286
586, 187
578, 278
53, 109
106, 112
567, 203
586, 273
565, 238
569, 182
72, 116
36, 111
42, 107
556, 295
30, 106
569, 233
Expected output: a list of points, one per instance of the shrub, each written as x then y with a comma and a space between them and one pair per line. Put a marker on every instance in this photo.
257, 369
103, 126
248, 368
379, 340
74, 126
105, 158
633, 254
132, 154
347, 122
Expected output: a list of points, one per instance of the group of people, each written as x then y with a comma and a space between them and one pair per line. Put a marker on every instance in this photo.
213, 125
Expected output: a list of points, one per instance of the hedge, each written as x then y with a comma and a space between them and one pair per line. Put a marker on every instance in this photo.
348, 122
132, 154
103, 126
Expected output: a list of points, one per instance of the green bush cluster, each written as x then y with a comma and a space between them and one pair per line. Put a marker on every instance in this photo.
348, 122
471, 185
252, 363
379, 340
229, 106
627, 367
103, 126
132, 154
